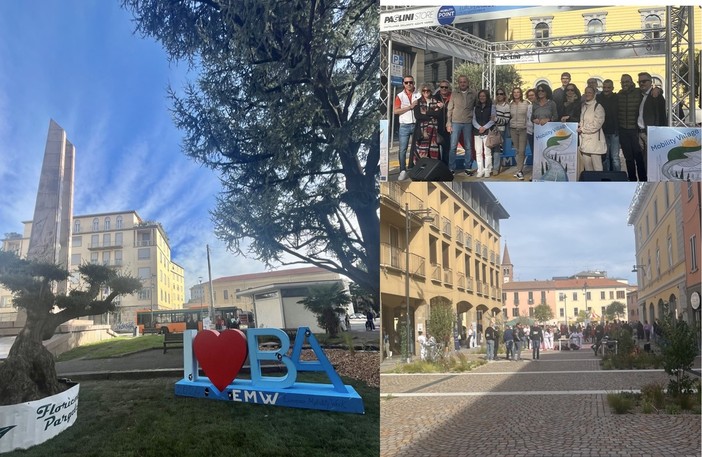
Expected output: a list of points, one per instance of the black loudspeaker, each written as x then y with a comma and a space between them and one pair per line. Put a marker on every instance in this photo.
427, 169
603, 176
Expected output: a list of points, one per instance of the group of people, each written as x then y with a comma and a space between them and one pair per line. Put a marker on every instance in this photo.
515, 339
432, 123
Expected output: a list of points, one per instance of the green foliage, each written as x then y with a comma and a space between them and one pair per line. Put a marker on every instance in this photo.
679, 349
362, 298
449, 364
284, 110
654, 394
543, 312
442, 321
327, 302
647, 408
506, 77
582, 316
614, 310
621, 403
672, 409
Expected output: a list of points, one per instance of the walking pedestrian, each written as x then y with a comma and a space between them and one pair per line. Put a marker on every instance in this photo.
490, 342
537, 336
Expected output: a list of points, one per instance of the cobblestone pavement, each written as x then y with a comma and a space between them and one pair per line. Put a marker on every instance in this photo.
555, 406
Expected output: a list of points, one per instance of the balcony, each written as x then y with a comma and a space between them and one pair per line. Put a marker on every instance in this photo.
459, 235
98, 246
446, 226
141, 243
479, 287
485, 252
434, 214
393, 191
436, 272
391, 256
469, 283
461, 280
492, 257
448, 277
469, 241
478, 249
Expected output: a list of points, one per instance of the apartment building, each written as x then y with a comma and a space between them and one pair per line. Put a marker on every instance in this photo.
439, 242
691, 203
226, 290
121, 239
656, 215
568, 297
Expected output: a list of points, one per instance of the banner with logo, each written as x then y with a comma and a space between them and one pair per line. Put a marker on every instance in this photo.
31, 423
416, 18
555, 151
384, 150
674, 154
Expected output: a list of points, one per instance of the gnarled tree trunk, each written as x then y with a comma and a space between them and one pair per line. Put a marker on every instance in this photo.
29, 372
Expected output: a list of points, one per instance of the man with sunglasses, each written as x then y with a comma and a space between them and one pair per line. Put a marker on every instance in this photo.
459, 118
629, 100
405, 102
444, 96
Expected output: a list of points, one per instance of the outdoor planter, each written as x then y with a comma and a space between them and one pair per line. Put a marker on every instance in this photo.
27, 424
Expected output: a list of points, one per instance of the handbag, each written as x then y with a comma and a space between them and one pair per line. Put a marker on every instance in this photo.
494, 139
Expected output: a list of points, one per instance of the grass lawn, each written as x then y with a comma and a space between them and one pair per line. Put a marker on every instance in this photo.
144, 418
115, 347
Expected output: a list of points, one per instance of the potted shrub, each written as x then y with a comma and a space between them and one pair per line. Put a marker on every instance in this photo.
29, 413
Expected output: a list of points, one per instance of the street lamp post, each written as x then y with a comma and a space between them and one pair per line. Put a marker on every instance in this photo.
425, 218
565, 308
585, 291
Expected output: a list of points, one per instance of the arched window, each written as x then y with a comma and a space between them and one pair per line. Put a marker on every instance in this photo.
652, 21
119, 222
107, 223
595, 26
76, 226
541, 30
96, 224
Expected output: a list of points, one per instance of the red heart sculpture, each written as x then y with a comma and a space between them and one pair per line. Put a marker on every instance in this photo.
221, 355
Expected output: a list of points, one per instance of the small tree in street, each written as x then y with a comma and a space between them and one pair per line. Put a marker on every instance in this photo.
543, 313
614, 310
442, 321
679, 349
29, 372
326, 302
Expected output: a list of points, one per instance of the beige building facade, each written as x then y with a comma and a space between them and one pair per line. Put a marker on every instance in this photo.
227, 290
120, 239
439, 242
656, 215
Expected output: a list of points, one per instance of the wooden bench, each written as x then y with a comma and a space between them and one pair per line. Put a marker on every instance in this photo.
172, 339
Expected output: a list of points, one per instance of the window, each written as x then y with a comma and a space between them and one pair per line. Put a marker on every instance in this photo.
588, 296
575, 311
690, 192
118, 257
648, 227
575, 296
118, 239
106, 258
94, 241
516, 298
107, 239
658, 261
504, 297
76, 226
621, 294
670, 252
651, 20
595, 26
107, 223
561, 297
504, 313
144, 253
96, 224
531, 297
144, 273
667, 197
119, 223
77, 241
515, 312
611, 294
541, 31
93, 257
693, 253
145, 293
226, 292
531, 311
561, 313
602, 295
543, 296
602, 310
75, 259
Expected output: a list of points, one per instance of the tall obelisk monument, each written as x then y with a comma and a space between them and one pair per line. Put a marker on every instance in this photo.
50, 240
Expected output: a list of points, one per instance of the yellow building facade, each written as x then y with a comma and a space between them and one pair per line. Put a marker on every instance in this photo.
439, 242
121, 239
601, 19
656, 216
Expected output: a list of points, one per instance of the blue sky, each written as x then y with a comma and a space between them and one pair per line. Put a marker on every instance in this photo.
559, 229
78, 62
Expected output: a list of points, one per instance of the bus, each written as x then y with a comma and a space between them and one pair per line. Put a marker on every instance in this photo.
178, 320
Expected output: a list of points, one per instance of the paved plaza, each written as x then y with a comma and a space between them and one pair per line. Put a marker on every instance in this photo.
555, 406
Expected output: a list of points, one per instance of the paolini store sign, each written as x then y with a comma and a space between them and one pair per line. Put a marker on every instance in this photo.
31, 423
415, 18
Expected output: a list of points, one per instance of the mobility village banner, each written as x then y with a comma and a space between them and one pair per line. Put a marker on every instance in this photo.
555, 151
674, 154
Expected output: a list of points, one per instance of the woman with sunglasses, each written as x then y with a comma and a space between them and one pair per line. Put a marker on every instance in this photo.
503, 116
426, 132
544, 110
483, 121
444, 96
570, 110
519, 111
